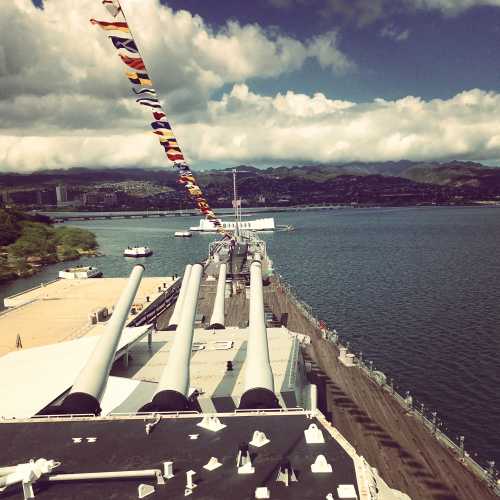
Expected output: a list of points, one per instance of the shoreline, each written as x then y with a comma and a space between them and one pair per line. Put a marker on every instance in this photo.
29, 242
35, 265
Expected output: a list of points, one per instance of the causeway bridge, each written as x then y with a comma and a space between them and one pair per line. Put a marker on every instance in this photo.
59, 217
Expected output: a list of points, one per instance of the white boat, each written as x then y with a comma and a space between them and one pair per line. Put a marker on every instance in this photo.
183, 234
137, 252
206, 226
80, 272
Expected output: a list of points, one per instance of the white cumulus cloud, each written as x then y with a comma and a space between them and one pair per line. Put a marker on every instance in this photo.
57, 50
293, 126
65, 102
57, 71
247, 127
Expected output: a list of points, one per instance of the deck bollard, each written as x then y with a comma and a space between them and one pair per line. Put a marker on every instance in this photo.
408, 400
492, 474
462, 447
434, 422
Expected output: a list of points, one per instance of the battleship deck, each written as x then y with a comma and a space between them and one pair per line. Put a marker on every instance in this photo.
60, 310
236, 307
391, 439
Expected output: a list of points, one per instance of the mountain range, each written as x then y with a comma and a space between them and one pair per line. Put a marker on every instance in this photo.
360, 182
453, 173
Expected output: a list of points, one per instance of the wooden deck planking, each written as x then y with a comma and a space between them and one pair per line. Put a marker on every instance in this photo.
237, 310
236, 307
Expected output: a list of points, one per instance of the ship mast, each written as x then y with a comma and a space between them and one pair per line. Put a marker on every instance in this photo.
235, 205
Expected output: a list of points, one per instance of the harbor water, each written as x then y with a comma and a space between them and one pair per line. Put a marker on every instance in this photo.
417, 290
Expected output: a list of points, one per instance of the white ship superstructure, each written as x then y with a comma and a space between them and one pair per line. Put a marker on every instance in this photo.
259, 225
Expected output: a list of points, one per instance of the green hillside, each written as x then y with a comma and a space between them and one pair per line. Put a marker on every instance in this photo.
27, 242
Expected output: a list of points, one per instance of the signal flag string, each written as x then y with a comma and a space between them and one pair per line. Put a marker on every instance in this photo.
138, 75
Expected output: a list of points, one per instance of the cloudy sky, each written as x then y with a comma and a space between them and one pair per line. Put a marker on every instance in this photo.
266, 82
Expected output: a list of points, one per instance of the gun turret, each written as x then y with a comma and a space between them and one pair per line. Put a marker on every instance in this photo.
173, 387
174, 319
217, 319
259, 380
88, 389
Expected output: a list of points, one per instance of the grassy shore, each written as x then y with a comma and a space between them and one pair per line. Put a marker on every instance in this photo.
28, 242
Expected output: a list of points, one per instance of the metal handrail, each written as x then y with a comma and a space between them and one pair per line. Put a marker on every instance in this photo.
167, 414
32, 288
158, 305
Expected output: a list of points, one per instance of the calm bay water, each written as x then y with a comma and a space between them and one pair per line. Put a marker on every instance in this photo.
417, 290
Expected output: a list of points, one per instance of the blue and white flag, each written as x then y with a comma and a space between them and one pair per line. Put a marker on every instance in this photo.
144, 91
125, 43
149, 101
159, 124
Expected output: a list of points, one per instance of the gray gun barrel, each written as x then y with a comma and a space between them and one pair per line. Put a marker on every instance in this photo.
173, 387
217, 319
259, 380
87, 391
174, 319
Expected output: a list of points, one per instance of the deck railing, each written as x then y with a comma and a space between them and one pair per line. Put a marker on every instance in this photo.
144, 416
30, 301
489, 475
41, 285
155, 308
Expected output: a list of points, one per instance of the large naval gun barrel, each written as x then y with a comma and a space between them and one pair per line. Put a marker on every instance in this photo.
174, 319
217, 319
87, 391
259, 380
173, 387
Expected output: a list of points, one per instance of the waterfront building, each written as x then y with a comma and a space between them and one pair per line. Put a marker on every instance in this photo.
61, 195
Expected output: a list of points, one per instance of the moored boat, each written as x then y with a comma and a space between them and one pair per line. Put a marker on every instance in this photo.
80, 272
183, 234
137, 252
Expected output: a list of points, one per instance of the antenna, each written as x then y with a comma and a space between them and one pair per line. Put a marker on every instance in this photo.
235, 205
